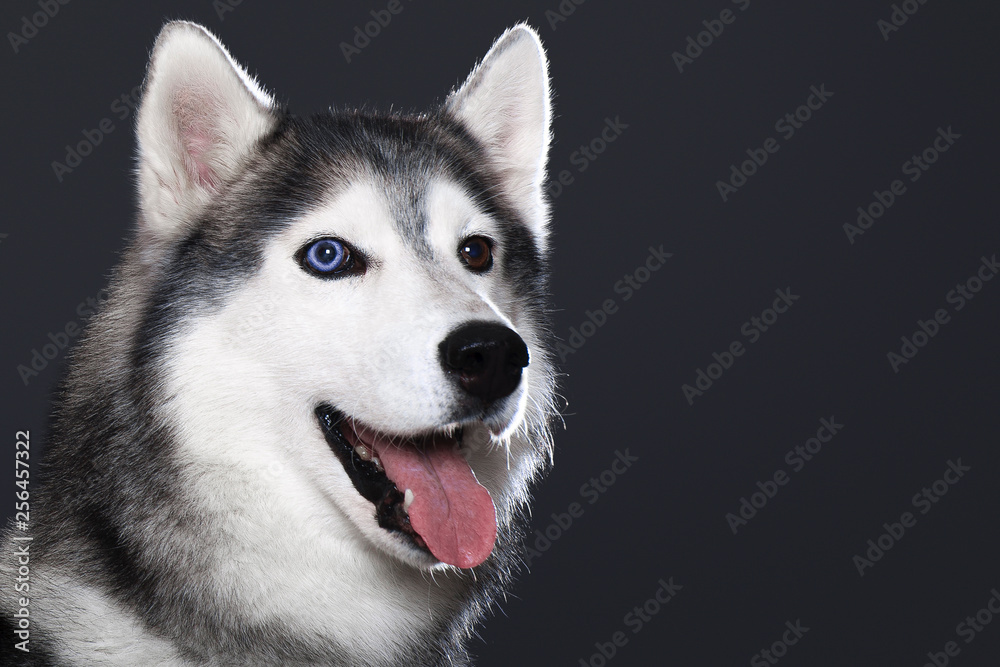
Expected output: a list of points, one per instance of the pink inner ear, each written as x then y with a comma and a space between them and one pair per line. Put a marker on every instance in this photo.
199, 137
199, 144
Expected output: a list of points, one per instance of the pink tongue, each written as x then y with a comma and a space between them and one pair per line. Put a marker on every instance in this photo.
451, 511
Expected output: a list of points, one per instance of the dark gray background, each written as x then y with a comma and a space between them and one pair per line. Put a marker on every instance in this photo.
826, 357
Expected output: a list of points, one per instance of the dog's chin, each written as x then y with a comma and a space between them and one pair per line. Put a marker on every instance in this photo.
433, 539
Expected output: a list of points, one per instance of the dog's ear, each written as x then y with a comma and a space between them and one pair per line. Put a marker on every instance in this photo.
505, 104
200, 116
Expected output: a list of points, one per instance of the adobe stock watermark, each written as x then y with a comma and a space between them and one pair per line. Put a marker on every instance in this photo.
968, 630
562, 12
223, 7
59, 341
752, 329
628, 285
635, 620
899, 16
787, 126
915, 167
779, 648
958, 297
122, 107
924, 501
591, 491
796, 458
587, 153
363, 36
714, 28
21, 583
30, 26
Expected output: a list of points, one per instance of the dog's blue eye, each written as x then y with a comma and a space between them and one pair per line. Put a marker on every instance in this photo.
327, 257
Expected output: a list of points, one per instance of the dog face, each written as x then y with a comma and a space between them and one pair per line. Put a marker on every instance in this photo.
365, 292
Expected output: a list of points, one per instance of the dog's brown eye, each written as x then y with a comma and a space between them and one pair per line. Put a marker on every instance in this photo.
477, 253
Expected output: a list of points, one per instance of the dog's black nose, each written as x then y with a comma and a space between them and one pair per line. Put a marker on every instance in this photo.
486, 357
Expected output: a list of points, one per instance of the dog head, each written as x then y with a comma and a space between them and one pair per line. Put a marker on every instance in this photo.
363, 293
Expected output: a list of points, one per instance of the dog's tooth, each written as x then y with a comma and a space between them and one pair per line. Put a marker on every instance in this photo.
363, 453
407, 500
378, 464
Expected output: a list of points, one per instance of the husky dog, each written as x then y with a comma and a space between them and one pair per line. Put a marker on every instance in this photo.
303, 429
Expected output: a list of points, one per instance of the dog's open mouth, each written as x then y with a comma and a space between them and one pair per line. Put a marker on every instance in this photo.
422, 487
